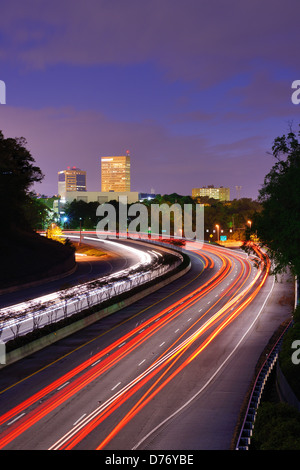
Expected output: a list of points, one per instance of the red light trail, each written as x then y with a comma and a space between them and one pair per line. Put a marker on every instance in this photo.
161, 372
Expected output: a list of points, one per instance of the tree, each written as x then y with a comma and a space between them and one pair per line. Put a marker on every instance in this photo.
36, 213
80, 212
278, 224
18, 172
55, 233
277, 427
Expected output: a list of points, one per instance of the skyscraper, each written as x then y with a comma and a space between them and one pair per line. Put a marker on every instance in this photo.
71, 179
115, 173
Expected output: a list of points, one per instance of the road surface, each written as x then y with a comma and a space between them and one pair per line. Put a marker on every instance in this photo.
170, 372
88, 268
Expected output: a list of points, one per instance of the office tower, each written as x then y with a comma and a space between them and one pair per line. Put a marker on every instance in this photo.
71, 179
222, 194
115, 173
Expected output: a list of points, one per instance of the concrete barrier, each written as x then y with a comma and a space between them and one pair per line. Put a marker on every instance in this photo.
41, 343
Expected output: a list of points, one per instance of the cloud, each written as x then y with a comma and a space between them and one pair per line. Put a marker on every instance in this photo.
237, 60
264, 97
63, 137
190, 39
191, 116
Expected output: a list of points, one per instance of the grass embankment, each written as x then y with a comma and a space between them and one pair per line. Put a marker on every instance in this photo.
28, 257
277, 425
83, 249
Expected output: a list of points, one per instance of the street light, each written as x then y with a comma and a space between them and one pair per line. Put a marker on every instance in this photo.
250, 223
80, 231
218, 231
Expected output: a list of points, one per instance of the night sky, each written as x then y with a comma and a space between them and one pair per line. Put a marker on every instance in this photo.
196, 90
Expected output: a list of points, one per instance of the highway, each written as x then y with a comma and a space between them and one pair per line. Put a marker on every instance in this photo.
156, 375
143, 263
88, 268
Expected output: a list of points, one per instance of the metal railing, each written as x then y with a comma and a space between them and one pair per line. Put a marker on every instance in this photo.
244, 438
25, 317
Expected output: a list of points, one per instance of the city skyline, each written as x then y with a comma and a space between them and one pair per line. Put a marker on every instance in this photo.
110, 182
202, 106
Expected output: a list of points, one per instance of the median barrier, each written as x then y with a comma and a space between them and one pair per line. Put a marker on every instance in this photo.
75, 326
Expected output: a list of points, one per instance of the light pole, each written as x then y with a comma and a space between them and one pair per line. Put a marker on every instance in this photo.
80, 231
218, 231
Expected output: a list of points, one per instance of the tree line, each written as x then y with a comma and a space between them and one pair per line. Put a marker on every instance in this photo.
274, 219
232, 217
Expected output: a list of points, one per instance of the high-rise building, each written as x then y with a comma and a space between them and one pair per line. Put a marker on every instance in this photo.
222, 194
115, 173
71, 179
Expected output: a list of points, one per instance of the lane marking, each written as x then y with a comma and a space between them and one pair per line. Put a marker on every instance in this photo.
116, 386
79, 419
97, 362
211, 378
63, 385
196, 256
18, 417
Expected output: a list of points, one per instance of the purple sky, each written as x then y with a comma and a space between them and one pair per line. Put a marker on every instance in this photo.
197, 90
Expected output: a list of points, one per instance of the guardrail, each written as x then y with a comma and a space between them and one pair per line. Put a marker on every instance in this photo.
26, 317
244, 438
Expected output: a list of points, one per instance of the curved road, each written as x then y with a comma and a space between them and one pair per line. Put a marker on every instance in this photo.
169, 372
88, 268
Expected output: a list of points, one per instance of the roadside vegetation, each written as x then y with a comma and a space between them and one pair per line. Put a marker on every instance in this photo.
25, 255
277, 226
234, 217
83, 249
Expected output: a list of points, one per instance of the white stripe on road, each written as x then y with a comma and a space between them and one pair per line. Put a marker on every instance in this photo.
116, 385
211, 378
18, 417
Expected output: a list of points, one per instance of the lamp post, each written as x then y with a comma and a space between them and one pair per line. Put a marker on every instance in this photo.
80, 231
218, 231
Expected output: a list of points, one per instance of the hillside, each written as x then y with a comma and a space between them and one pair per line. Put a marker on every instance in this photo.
28, 257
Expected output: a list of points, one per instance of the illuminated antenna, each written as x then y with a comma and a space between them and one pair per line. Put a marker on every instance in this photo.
238, 189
